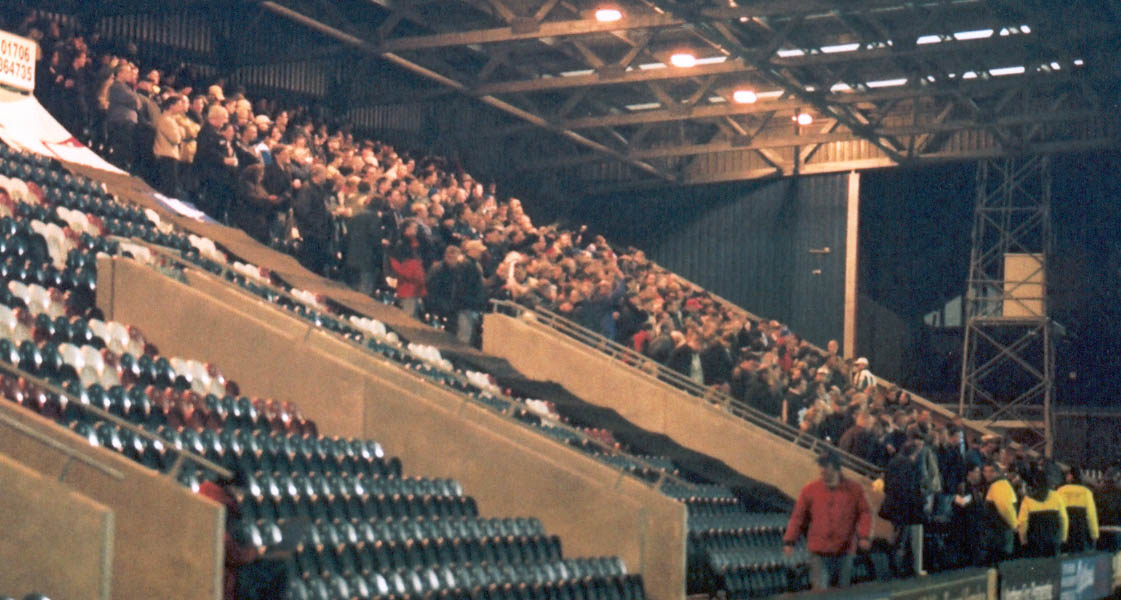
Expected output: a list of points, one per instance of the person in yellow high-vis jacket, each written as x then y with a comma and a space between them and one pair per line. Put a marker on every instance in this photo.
1081, 510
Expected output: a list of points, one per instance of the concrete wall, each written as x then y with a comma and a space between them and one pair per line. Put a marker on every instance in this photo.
166, 541
509, 469
542, 353
56, 541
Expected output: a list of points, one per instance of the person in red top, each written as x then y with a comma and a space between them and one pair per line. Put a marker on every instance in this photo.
406, 262
237, 554
249, 573
834, 515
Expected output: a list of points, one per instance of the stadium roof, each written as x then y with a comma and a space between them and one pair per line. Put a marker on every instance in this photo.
879, 82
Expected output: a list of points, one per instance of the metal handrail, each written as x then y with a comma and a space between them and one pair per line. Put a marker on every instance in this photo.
668, 376
181, 455
663, 477
975, 427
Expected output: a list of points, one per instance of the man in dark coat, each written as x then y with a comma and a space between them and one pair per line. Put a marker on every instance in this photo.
214, 163
363, 264
716, 361
310, 210
903, 506
858, 440
455, 292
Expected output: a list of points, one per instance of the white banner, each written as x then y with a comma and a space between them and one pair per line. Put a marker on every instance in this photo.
26, 125
17, 61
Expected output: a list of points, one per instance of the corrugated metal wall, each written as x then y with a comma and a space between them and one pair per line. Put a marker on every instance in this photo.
817, 294
749, 242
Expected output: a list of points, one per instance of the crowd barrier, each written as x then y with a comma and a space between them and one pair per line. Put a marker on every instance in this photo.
1089, 576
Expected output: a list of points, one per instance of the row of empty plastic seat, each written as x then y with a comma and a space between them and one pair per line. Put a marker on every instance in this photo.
354, 497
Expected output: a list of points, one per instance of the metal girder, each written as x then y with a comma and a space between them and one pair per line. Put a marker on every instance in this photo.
577, 27
841, 166
551, 29
788, 105
990, 47
812, 141
506, 107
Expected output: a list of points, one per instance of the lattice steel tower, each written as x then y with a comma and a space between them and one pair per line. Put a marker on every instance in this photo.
1008, 361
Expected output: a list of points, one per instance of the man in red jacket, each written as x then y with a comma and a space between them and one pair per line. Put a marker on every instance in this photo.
834, 515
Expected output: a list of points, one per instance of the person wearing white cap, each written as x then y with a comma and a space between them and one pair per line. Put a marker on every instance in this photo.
862, 378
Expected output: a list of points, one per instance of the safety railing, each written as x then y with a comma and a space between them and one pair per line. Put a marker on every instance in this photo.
933, 407
651, 368
181, 456
507, 414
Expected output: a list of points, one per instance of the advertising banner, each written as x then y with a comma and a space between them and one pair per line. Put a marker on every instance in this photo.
1086, 577
17, 61
959, 585
1029, 579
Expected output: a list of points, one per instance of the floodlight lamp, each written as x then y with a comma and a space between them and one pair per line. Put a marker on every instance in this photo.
744, 96
683, 59
804, 118
608, 14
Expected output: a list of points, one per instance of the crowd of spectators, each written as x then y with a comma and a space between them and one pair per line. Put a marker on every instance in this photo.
442, 241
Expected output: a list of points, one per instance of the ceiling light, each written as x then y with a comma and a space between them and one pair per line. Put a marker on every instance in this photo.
683, 59
608, 14
803, 118
745, 96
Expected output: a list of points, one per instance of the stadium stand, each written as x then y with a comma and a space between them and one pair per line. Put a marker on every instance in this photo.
375, 533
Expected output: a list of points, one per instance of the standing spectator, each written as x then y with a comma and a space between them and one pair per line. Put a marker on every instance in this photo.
1043, 522
363, 261
279, 174
253, 207
1000, 515
123, 115
455, 291
245, 146
686, 357
310, 210
74, 94
859, 440
833, 514
408, 268
149, 116
167, 146
903, 506
862, 379
717, 363
214, 163
951, 458
967, 518
1081, 512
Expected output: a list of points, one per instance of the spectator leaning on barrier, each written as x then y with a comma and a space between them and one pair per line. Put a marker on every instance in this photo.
833, 514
